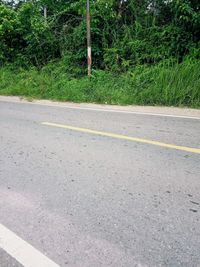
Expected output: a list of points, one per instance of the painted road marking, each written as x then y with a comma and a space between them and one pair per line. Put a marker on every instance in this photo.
21, 251
104, 110
124, 137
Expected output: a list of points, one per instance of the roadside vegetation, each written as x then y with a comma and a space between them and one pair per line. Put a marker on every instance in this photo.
144, 52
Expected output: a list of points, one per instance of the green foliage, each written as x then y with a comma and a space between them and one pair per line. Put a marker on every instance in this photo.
177, 85
144, 51
8, 33
124, 33
168, 83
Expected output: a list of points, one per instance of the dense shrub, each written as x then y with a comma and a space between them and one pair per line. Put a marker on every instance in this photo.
125, 33
144, 51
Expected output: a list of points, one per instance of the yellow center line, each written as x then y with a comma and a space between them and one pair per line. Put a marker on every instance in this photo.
124, 137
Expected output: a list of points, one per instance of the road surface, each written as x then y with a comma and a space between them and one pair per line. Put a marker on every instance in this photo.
84, 186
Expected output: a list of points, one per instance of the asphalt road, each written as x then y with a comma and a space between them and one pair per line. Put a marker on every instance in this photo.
84, 199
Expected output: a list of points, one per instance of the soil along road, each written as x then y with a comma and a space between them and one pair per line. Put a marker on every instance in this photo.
89, 185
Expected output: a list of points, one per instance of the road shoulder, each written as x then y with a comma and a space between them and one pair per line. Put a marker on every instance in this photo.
151, 110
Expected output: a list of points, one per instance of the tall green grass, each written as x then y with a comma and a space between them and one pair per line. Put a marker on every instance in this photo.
163, 84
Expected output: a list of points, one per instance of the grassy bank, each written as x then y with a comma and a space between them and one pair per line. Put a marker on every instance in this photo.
164, 84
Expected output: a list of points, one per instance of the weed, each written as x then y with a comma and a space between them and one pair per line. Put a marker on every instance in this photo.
163, 84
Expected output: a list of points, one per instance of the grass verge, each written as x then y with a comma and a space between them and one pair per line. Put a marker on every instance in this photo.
163, 84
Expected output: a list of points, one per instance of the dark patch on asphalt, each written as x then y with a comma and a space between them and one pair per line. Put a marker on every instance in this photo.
193, 210
193, 202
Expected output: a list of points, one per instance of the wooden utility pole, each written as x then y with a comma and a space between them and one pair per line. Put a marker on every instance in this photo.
89, 49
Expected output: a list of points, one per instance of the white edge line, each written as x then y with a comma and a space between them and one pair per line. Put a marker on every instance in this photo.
21, 251
107, 110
